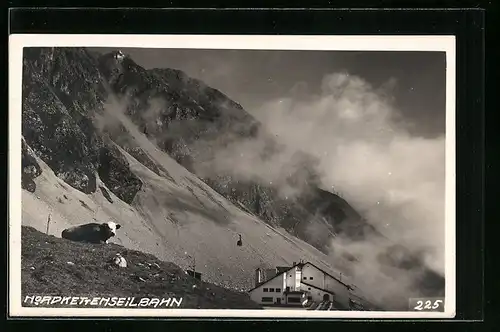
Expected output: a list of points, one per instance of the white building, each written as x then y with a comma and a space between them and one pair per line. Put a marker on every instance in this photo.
322, 285
296, 284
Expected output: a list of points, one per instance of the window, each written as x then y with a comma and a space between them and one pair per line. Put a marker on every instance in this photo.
310, 278
290, 275
305, 278
265, 290
271, 290
267, 299
288, 289
308, 288
278, 290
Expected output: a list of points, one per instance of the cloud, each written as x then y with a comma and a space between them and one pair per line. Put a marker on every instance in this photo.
362, 149
366, 153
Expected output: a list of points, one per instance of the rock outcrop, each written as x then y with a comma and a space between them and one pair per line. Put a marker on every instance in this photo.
63, 90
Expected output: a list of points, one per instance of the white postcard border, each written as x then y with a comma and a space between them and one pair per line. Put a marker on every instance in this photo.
269, 42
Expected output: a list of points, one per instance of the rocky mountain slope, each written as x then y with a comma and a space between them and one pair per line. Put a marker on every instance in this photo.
106, 138
193, 123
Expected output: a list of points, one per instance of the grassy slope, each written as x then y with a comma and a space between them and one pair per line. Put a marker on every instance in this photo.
89, 273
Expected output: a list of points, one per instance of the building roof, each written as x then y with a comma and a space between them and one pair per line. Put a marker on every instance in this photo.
269, 273
302, 264
281, 269
318, 288
328, 274
277, 275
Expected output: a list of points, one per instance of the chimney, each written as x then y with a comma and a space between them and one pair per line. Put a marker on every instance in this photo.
258, 277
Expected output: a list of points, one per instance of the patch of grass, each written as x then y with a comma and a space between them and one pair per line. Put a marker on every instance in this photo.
91, 273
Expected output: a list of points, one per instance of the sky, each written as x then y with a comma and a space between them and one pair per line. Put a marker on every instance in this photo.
253, 77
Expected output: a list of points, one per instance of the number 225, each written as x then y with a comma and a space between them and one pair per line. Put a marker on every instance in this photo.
428, 305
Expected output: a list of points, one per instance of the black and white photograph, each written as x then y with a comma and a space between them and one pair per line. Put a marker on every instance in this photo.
240, 176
